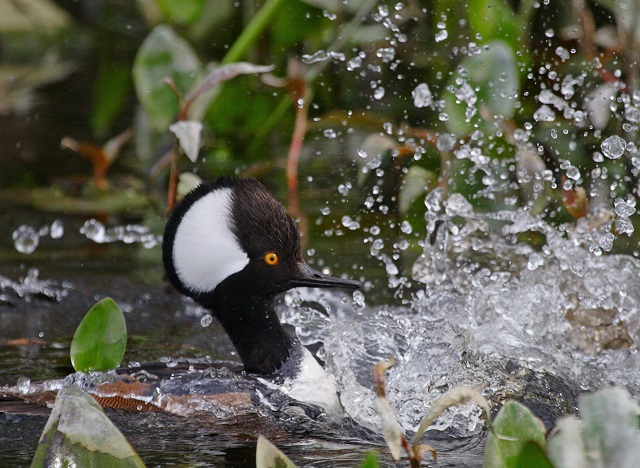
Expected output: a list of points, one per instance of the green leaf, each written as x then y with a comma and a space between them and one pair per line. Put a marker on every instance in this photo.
514, 421
183, 12
269, 456
533, 456
78, 433
493, 19
163, 55
101, 338
112, 86
370, 460
483, 89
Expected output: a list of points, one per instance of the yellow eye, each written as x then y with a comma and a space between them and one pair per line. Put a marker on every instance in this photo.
271, 258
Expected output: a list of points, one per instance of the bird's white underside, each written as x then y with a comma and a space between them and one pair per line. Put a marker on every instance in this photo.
205, 251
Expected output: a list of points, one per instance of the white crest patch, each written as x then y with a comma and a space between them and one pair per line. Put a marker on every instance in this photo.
205, 251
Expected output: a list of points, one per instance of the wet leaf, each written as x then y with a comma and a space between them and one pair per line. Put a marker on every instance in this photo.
455, 397
188, 134
78, 433
101, 338
163, 55
484, 89
517, 426
269, 456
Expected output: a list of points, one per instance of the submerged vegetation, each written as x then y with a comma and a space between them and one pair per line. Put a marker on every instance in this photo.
439, 118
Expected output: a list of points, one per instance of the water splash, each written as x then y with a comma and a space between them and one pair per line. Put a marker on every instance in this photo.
26, 239
129, 234
32, 286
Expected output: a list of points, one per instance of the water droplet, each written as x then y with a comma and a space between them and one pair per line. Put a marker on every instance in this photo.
573, 173
23, 384
355, 62
94, 230
549, 33
325, 210
358, 300
446, 142
25, 239
206, 320
56, 231
330, 133
622, 208
535, 260
387, 54
544, 114
422, 96
378, 93
563, 53
441, 35
613, 147
406, 227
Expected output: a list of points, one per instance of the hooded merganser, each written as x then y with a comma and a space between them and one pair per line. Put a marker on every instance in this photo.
232, 247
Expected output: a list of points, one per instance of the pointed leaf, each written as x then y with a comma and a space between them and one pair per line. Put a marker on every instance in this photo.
520, 426
370, 460
163, 55
188, 134
78, 433
391, 430
101, 338
269, 456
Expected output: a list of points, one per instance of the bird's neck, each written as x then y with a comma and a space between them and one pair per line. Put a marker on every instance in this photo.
253, 326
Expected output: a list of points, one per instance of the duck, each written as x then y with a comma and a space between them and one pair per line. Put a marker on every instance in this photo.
232, 247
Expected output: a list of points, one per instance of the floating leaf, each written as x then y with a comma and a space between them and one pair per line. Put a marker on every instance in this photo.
163, 55
188, 134
484, 89
101, 338
78, 433
519, 426
269, 456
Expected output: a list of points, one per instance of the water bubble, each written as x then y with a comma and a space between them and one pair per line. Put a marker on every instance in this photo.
94, 230
613, 147
325, 210
422, 96
26, 239
375, 230
441, 35
443, 117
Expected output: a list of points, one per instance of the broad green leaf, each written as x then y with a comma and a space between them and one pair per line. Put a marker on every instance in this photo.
269, 456
78, 433
183, 12
493, 19
483, 90
163, 55
517, 426
101, 338
533, 456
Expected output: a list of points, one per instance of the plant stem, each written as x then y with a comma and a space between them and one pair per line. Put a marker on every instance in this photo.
252, 31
